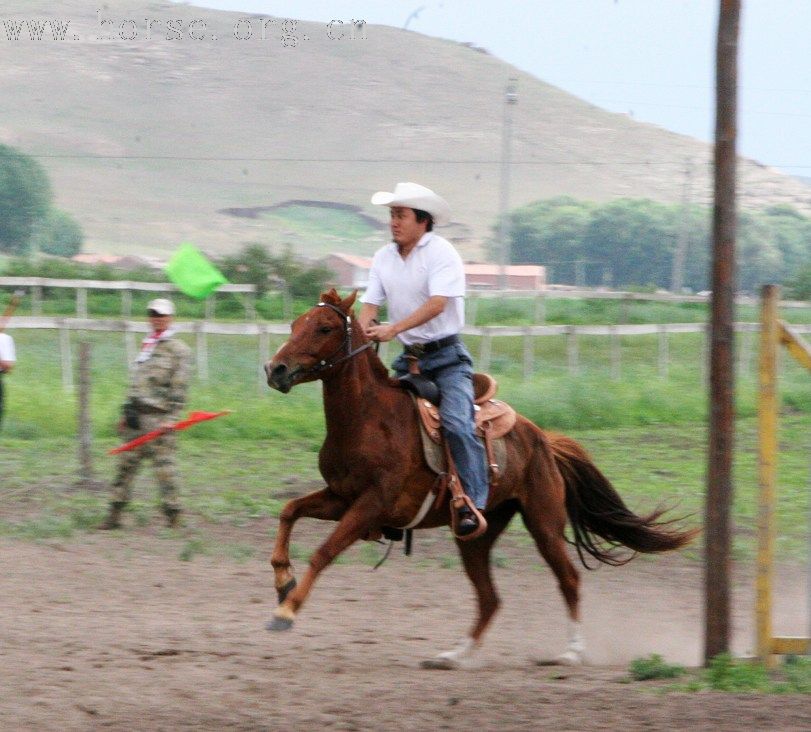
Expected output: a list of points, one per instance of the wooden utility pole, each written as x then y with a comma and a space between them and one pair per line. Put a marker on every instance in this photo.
722, 334
85, 431
683, 237
504, 258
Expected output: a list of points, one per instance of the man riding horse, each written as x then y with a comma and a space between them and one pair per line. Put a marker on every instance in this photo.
373, 461
421, 279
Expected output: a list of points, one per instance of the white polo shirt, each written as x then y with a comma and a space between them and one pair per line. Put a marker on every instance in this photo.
7, 348
433, 267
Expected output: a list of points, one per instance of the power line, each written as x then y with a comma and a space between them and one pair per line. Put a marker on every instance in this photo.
377, 161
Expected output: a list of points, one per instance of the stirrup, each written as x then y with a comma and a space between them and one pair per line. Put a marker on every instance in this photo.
468, 504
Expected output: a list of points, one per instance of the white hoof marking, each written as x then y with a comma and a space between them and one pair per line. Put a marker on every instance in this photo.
459, 657
569, 658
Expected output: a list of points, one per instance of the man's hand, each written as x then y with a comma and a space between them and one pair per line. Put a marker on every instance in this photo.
381, 333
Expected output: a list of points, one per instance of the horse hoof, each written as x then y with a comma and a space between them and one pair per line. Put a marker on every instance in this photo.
285, 590
277, 625
569, 658
440, 663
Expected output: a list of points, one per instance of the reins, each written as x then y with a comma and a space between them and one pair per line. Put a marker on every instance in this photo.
328, 363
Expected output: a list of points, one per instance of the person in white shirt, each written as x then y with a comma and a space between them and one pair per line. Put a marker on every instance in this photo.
7, 360
421, 278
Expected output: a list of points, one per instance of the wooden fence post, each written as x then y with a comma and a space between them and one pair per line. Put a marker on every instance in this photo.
249, 301
539, 316
264, 356
747, 340
572, 351
36, 300
529, 353
485, 349
624, 308
81, 302
664, 353
64, 351
202, 350
705, 355
85, 432
126, 304
472, 304
616, 354
287, 302
129, 343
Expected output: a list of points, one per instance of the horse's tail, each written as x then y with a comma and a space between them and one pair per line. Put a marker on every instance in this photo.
597, 512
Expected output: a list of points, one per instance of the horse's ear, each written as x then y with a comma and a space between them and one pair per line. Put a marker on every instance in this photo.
331, 297
346, 305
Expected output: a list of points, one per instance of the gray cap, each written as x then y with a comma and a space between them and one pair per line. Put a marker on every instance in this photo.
161, 306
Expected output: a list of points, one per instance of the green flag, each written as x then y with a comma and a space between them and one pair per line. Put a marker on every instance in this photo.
193, 273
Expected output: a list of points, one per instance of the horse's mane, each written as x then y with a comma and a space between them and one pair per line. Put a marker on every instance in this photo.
379, 369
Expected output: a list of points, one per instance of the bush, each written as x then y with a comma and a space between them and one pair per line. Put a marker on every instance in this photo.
653, 667
58, 234
25, 196
726, 675
799, 286
255, 265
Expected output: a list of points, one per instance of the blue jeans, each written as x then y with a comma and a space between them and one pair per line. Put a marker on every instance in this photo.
452, 370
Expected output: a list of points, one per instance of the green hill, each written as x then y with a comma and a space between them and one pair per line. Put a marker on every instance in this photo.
153, 141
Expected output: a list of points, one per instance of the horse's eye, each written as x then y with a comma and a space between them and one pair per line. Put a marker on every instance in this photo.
325, 329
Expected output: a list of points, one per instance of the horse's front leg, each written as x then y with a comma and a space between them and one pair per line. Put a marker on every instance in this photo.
321, 504
358, 519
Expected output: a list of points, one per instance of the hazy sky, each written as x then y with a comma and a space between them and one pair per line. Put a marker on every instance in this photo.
653, 59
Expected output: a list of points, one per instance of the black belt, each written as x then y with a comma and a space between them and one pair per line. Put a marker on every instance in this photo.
420, 349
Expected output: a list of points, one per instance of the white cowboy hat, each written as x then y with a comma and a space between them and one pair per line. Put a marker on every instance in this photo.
161, 306
413, 195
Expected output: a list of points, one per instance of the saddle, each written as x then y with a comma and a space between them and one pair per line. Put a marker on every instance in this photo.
494, 419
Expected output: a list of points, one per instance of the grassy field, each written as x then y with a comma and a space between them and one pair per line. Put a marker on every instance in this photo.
648, 434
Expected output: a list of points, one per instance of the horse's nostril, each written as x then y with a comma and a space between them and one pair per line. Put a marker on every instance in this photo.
278, 371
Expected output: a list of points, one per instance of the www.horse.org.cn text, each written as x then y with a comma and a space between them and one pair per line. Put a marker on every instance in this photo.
284, 32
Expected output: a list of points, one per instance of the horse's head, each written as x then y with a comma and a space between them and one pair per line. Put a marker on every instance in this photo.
319, 339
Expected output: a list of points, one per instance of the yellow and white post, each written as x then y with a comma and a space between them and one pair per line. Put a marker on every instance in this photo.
772, 333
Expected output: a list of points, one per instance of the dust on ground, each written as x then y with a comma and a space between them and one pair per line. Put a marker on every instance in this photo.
115, 631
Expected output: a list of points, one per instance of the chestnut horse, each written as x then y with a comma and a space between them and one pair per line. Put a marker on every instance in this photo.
376, 476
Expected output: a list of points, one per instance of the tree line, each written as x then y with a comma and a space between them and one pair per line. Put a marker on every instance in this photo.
633, 242
29, 222
622, 243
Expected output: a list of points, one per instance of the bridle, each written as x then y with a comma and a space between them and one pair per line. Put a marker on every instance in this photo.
346, 345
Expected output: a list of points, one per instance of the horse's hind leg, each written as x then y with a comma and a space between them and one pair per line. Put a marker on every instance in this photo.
322, 504
476, 559
544, 514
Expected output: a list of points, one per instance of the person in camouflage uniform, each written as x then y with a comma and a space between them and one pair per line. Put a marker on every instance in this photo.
155, 398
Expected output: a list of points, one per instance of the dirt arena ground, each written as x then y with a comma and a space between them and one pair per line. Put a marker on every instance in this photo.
115, 632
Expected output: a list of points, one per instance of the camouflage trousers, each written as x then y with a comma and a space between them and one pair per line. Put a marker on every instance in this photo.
160, 451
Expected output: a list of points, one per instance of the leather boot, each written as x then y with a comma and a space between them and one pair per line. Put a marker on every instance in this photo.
113, 519
172, 517
467, 522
